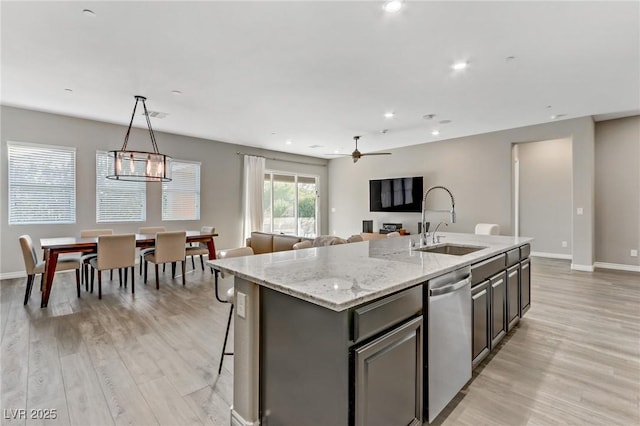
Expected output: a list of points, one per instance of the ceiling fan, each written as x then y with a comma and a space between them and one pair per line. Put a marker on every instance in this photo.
356, 154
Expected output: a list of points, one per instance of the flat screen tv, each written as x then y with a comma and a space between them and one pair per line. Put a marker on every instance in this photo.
396, 194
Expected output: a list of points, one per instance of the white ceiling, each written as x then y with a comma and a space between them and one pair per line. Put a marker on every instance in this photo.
318, 73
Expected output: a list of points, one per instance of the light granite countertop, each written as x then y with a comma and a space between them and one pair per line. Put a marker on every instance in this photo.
343, 276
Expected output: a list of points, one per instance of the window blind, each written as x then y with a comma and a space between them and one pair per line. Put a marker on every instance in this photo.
117, 201
181, 196
42, 183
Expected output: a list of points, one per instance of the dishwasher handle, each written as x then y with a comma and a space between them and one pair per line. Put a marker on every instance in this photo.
450, 288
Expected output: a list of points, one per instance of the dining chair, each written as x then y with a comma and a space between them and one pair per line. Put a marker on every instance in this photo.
148, 230
170, 247
114, 252
201, 249
33, 266
229, 296
85, 258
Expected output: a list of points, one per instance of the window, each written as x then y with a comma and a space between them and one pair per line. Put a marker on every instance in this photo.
118, 200
42, 183
290, 204
181, 196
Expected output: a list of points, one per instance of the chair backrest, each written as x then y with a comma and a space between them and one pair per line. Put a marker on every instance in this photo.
151, 229
28, 253
487, 229
393, 234
116, 251
88, 233
302, 245
234, 252
207, 230
170, 246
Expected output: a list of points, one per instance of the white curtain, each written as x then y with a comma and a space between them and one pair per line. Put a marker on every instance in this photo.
253, 191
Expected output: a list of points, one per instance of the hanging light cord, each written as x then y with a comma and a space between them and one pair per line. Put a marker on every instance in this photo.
146, 114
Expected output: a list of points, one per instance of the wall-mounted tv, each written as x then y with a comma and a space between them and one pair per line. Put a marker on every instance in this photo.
396, 194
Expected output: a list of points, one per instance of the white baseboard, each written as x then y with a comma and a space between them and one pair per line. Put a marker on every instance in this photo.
551, 255
238, 420
583, 268
617, 266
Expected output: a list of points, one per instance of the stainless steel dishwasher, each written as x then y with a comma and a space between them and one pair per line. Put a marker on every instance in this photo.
448, 360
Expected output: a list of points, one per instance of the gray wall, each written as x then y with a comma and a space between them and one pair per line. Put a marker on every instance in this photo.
221, 177
545, 194
478, 171
618, 190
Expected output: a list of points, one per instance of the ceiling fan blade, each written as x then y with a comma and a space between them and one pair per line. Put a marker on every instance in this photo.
377, 153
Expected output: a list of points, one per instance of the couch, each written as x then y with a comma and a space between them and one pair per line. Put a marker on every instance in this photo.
263, 242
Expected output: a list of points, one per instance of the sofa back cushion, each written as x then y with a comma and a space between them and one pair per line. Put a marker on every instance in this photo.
261, 242
284, 242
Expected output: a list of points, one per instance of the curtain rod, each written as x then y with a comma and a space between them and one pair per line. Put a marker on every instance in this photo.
282, 159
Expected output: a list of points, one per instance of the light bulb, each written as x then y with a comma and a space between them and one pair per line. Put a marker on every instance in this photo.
132, 164
148, 165
118, 164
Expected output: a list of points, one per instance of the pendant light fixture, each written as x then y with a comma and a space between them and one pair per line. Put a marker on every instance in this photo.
140, 166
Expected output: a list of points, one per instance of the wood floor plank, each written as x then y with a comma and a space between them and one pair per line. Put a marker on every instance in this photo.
14, 359
210, 407
169, 407
86, 401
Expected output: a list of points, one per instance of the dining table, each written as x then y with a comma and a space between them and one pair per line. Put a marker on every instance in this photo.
53, 247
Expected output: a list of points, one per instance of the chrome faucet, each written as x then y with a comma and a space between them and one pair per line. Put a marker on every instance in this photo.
434, 239
425, 233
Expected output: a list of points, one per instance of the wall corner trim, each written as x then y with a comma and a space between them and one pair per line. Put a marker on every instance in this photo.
583, 268
617, 266
238, 420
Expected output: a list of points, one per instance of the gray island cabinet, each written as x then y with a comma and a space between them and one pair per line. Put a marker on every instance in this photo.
338, 335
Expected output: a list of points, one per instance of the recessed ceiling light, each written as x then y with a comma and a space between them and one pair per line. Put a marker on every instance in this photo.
288, 142
556, 116
460, 65
428, 116
445, 121
176, 92
336, 151
435, 133
510, 58
68, 90
548, 107
388, 115
89, 12
392, 6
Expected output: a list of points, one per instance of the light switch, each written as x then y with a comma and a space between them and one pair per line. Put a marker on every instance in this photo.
634, 253
579, 211
241, 304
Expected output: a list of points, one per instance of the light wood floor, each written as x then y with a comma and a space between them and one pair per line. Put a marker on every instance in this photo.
152, 358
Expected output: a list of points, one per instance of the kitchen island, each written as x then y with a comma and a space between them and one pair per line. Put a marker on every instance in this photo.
296, 341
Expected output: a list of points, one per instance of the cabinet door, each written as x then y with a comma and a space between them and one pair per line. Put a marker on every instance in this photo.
525, 286
480, 306
388, 378
498, 308
513, 296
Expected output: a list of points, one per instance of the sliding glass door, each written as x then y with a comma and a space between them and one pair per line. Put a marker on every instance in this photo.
290, 204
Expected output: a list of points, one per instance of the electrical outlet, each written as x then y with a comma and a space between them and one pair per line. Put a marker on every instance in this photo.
241, 304
634, 253
579, 211
564, 244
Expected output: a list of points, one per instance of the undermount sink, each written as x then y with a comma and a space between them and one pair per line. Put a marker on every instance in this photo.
451, 249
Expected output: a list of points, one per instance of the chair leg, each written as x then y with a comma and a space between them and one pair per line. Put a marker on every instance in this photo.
183, 272
27, 292
78, 281
157, 280
224, 345
133, 281
111, 275
120, 276
85, 271
125, 277
100, 284
201, 262
141, 265
193, 263
145, 271
173, 270
93, 273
